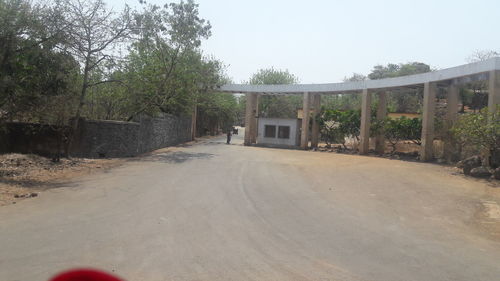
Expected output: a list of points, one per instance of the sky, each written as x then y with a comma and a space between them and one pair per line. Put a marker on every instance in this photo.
323, 41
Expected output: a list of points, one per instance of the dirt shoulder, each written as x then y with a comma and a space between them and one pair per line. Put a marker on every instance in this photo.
24, 176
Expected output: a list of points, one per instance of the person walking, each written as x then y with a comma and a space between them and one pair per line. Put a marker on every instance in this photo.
229, 136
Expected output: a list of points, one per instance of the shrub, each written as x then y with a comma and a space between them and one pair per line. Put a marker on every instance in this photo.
396, 130
480, 131
336, 125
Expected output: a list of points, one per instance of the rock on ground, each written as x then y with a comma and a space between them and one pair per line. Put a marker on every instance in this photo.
470, 163
496, 173
480, 172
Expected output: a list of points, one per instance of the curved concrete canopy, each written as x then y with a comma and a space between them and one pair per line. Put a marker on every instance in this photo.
443, 75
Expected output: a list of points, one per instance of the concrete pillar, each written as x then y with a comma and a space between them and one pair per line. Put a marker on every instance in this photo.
255, 118
493, 90
428, 113
315, 123
304, 135
493, 102
366, 102
451, 117
249, 118
381, 115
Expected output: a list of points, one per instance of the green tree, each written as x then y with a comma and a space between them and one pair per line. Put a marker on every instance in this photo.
271, 76
216, 111
166, 70
34, 73
396, 130
109, 101
241, 109
480, 132
474, 95
345, 101
396, 70
406, 100
337, 126
355, 77
276, 106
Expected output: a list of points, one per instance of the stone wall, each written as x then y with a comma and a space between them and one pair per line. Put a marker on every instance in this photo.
98, 139
155, 133
39, 139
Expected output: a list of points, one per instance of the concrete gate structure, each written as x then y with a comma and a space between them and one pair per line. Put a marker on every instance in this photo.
450, 79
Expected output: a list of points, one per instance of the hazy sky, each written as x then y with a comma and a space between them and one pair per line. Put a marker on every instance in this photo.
324, 41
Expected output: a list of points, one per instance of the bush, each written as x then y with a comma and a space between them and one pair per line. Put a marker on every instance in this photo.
481, 132
336, 125
396, 130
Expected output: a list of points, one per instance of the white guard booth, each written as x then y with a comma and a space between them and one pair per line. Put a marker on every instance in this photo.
278, 132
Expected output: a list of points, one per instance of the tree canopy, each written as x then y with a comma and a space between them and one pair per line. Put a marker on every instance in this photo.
395, 70
276, 106
77, 58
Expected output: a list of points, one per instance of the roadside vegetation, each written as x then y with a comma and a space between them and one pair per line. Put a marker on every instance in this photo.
480, 132
66, 59
474, 138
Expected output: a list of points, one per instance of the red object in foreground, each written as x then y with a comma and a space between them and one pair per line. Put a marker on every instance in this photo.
85, 275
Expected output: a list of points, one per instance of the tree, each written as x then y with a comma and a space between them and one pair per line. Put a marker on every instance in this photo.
241, 109
482, 55
276, 106
329, 124
33, 71
355, 77
336, 126
346, 101
216, 111
109, 101
166, 69
271, 76
396, 70
480, 132
396, 130
93, 31
407, 100
474, 95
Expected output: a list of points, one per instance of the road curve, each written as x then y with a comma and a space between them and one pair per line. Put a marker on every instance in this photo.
213, 211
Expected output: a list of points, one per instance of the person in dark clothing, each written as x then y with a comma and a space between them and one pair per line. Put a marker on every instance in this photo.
228, 136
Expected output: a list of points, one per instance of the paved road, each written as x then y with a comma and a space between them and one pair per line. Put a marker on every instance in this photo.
227, 212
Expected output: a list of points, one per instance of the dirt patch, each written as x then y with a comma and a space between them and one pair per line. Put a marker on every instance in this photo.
487, 217
26, 175
492, 210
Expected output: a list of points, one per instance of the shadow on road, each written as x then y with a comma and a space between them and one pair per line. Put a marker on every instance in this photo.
177, 157
219, 143
30, 183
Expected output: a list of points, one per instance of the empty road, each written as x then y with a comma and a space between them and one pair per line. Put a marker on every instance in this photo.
213, 211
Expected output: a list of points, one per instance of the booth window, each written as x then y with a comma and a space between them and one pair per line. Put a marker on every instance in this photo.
284, 132
269, 131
